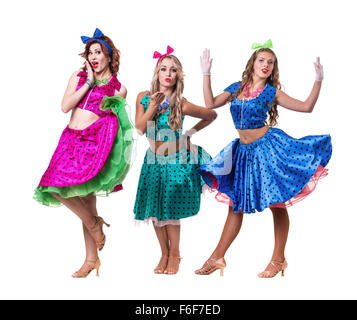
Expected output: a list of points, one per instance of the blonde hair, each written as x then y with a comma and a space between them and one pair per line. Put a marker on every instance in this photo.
273, 80
175, 116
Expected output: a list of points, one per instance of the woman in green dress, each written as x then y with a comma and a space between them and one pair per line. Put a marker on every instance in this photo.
169, 186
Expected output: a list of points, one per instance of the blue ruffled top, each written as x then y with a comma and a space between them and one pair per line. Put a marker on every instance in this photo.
251, 114
162, 130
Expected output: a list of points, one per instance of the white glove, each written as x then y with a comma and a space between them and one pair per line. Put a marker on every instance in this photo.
206, 62
319, 70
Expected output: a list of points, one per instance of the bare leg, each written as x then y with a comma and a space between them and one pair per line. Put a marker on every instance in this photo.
92, 258
281, 230
173, 233
76, 205
161, 234
230, 232
90, 202
85, 209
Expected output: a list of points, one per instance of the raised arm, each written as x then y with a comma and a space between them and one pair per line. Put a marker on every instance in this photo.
303, 106
142, 117
71, 97
207, 116
210, 101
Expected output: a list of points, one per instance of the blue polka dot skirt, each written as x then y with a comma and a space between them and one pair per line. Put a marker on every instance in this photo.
273, 171
169, 186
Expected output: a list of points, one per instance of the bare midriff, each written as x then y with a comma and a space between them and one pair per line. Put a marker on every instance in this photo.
165, 148
248, 136
81, 119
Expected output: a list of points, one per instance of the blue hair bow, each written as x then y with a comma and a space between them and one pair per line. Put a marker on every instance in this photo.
97, 34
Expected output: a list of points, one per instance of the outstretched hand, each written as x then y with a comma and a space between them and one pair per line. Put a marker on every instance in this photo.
319, 70
206, 62
157, 98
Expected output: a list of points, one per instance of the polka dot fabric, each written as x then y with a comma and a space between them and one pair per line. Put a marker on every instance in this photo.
162, 132
270, 171
81, 154
251, 114
93, 98
169, 186
91, 160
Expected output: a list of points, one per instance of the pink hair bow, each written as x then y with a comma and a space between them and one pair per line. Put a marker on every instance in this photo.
158, 55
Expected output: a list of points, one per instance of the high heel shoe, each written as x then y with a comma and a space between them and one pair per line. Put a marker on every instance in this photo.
278, 266
161, 268
211, 265
172, 270
99, 221
87, 268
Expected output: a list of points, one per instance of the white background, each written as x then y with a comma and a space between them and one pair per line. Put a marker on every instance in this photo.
41, 246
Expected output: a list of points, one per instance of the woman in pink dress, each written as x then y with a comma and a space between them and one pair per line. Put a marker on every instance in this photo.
93, 154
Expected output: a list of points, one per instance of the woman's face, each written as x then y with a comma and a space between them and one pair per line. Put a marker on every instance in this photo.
167, 73
96, 57
264, 64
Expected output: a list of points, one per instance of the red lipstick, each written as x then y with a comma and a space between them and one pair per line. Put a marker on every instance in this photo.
167, 79
265, 70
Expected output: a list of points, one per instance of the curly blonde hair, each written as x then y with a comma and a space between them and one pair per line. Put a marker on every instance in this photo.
273, 80
175, 116
115, 58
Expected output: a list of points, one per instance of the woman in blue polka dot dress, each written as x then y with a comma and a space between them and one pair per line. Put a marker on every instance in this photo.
265, 167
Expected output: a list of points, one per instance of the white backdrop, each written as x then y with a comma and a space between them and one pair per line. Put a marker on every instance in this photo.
41, 246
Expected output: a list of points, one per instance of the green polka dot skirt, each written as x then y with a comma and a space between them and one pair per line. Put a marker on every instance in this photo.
169, 186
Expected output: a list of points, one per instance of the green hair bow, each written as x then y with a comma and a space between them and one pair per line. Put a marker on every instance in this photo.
267, 45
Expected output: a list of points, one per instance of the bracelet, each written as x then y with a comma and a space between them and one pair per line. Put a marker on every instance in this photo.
90, 83
206, 73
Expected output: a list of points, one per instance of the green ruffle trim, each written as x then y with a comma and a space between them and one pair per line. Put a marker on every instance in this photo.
115, 168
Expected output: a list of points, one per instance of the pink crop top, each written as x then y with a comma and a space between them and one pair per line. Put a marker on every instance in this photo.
92, 99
